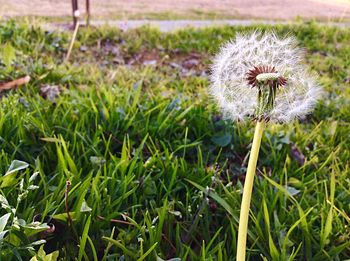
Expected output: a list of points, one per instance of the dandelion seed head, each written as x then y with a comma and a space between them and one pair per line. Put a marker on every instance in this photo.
256, 57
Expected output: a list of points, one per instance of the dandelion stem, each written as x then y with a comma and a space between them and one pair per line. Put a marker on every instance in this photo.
247, 191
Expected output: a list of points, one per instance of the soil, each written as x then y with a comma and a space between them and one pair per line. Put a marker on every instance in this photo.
137, 9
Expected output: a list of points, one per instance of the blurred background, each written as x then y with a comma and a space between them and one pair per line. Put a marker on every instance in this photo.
323, 10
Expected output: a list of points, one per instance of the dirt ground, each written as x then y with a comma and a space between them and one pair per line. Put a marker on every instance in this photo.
194, 9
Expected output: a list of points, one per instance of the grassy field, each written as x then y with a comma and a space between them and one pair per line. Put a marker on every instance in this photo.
120, 154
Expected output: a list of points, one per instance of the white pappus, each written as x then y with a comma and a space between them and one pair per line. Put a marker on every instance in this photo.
247, 58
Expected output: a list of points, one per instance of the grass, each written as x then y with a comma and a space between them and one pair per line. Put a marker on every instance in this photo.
155, 171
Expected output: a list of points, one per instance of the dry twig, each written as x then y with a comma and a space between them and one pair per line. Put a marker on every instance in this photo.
14, 83
66, 193
76, 27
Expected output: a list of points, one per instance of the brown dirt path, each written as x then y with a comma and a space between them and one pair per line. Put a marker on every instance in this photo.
194, 9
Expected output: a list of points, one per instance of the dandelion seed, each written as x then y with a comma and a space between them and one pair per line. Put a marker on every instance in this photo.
261, 76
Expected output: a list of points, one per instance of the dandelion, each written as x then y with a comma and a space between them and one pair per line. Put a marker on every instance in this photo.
262, 77
248, 64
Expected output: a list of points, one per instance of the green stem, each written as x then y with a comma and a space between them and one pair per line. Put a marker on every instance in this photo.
247, 192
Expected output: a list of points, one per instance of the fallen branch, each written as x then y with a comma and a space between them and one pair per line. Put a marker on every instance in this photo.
14, 83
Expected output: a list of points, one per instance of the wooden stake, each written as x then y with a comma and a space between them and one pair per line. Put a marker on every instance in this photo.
74, 8
87, 12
